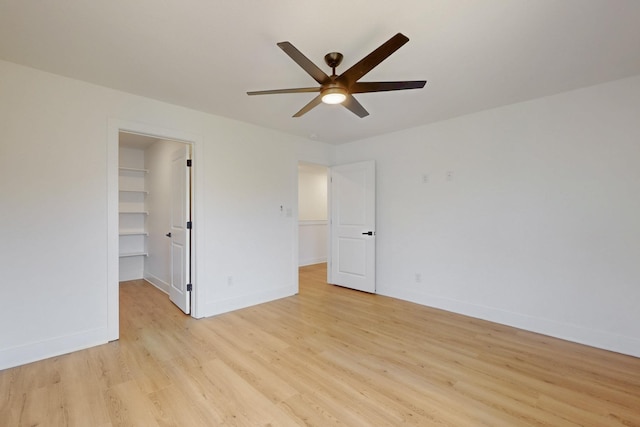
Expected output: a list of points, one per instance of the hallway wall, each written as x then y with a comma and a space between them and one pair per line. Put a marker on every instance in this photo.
312, 214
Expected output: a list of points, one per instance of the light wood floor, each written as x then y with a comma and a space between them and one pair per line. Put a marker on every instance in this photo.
329, 356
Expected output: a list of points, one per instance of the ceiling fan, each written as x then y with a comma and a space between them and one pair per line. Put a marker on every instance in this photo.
336, 89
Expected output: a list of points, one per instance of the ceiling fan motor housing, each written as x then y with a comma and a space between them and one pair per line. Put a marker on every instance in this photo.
333, 60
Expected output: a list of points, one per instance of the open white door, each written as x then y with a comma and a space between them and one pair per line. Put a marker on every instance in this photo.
353, 220
180, 290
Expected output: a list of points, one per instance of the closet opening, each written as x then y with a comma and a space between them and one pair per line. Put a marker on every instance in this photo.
155, 204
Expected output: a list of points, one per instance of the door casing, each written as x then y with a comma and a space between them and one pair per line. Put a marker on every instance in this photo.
114, 127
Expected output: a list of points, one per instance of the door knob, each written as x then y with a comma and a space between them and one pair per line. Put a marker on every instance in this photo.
168, 234
368, 233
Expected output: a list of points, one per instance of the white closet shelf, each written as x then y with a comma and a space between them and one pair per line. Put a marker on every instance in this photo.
133, 233
134, 170
133, 191
135, 212
132, 254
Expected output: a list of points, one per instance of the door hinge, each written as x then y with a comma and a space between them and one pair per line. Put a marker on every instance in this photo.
189, 287
189, 225
188, 163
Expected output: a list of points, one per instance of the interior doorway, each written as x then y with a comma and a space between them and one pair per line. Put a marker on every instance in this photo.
194, 143
336, 224
154, 190
313, 214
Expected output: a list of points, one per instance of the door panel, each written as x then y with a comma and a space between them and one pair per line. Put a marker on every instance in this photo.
352, 259
180, 234
352, 218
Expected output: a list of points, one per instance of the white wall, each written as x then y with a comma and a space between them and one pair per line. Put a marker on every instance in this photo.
312, 192
158, 157
539, 226
313, 241
54, 176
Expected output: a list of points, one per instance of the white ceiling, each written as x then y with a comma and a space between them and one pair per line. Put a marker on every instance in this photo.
134, 140
205, 54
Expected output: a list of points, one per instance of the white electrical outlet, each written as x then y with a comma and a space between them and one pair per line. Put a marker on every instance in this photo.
425, 178
229, 280
449, 176
418, 278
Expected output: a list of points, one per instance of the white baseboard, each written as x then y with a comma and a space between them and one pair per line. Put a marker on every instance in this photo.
311, 261
244, 301
45, 349
569, 332
158, 283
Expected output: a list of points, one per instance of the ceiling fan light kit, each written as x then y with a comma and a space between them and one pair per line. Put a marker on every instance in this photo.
334, 95
336, 89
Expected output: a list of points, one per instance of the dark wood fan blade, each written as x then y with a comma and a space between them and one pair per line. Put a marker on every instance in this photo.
298, 90
313, 103
367, 63
306, 64
363, 87
355, 107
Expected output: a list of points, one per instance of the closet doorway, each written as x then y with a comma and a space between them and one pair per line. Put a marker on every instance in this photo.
154, 214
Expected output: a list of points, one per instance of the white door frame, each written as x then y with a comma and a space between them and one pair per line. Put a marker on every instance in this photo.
114, 127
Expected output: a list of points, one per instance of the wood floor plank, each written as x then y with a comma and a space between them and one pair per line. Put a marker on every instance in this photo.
109, 365
329, 356
128, 406
42, 406
256, 371
83, 400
